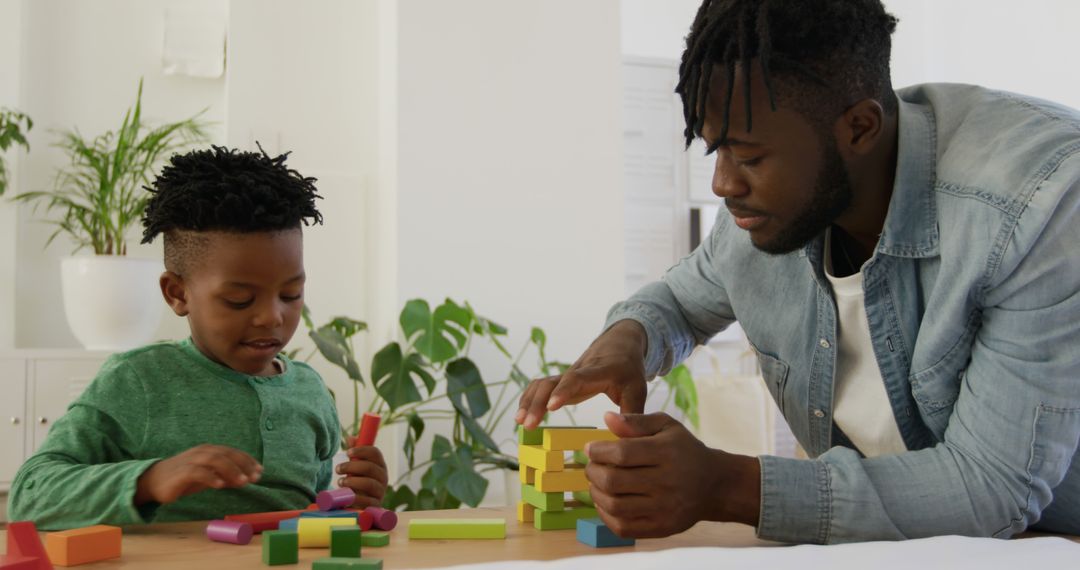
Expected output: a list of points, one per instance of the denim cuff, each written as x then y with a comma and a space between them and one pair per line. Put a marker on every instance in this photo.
796, 501
657, 360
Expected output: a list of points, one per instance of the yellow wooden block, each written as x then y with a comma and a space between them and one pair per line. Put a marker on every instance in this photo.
570, 479
574, 439
525, 511
538, 458
315, 531
527, 474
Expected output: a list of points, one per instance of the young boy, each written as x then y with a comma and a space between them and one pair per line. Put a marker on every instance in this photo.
221, 422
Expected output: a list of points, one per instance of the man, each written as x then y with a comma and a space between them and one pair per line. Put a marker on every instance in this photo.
906, 266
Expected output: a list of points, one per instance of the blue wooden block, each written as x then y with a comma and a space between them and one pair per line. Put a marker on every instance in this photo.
289, 524
597, 535
330, 514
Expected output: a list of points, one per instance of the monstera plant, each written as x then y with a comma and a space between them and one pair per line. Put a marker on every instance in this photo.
428, 376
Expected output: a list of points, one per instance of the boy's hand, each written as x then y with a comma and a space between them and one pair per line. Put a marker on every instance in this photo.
197, 469
365, 473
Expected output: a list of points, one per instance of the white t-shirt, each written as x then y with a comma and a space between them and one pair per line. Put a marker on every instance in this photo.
861, 406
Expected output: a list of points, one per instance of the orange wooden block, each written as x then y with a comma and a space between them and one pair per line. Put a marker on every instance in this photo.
263, 521
83, 545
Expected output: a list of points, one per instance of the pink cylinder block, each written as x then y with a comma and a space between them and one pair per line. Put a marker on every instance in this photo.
335, 499
384, 519
229, 531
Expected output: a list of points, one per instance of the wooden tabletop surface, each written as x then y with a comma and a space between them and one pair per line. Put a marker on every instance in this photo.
183, 545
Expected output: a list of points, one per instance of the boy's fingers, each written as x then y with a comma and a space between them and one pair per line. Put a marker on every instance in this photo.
244, 462
227, 470
366, 453
363, 469
363, 486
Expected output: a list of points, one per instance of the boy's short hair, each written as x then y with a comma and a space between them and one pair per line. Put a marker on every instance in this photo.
224, 190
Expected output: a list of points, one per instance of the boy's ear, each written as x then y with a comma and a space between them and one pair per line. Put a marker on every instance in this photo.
175, 292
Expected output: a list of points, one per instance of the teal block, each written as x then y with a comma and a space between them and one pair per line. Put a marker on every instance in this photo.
330, 514
280, 547
597, 534
345, 542
347, 564
289, 524
375, 538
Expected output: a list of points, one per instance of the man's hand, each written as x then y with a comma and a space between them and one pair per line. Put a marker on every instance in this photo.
364, 473
660, 480
197, 469
614, 365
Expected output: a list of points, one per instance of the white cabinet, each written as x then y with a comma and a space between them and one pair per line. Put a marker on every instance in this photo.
35, 390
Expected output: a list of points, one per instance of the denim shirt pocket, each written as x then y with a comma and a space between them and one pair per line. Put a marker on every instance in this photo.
775, 372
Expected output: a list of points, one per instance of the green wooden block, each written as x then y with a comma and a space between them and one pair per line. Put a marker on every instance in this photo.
347, 564
545, 501
345, 542
280, 547
584, 497
374, 538
561, 520
457, 528
580, 458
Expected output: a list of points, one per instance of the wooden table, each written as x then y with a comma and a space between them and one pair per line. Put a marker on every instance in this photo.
183, 545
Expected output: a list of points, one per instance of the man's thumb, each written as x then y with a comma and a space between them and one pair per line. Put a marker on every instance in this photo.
636, 425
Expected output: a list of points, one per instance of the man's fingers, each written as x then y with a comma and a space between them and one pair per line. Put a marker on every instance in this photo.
637, 425
634, 452
632, 400
538, 404
626, 506
620, 480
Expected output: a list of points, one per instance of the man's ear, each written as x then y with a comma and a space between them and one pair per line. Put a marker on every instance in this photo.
175, 292
859, 128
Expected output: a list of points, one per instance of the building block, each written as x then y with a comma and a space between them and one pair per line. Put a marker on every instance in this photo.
369, 428
563, 439
384, 519
292, 524
536, 436
23, 541
456, 528
580, 458
525, 511
263, 521
342, 514
584, 497
280, 547
18, 562
527, 474
365, 519
232, 532
538, 458
570, 479
345, 542
597, 534
562, 520
347, 564
335, 499
87, 544
375, 538
546, 501
315, 532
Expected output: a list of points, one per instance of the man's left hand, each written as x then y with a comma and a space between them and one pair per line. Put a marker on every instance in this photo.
659, 479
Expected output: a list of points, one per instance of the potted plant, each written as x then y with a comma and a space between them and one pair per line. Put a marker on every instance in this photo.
429, 376
111, 301
13, 128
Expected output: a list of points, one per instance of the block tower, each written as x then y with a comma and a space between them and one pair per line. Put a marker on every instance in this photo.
548, 475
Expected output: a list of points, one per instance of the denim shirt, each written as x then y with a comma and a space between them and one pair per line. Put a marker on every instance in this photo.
973, 301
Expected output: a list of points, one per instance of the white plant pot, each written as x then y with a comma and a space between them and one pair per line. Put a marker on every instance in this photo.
112, 302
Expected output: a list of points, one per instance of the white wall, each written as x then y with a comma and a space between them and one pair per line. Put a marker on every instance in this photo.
10, 50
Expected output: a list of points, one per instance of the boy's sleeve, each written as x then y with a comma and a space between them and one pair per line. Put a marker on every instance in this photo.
86, 472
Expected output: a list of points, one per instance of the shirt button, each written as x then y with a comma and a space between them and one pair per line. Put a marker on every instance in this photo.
269, 425
824, 343
819, 414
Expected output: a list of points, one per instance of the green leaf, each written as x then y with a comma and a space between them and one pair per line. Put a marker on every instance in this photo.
395, 498
464, 384
464, 482
681, 382
415, 431
394, 376
437, 335
336, 350
478, 433
539, 338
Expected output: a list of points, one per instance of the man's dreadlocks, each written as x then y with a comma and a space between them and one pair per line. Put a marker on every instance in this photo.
824, 54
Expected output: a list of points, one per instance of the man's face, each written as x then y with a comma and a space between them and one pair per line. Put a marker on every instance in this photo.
243, 296
784, 182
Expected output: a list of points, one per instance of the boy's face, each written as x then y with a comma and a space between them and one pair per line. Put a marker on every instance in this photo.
242, 295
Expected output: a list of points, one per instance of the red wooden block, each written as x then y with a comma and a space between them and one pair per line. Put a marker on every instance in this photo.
369, 428
264, 521
18, 562
23, 540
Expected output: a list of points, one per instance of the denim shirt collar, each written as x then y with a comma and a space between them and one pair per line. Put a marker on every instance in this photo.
911, 226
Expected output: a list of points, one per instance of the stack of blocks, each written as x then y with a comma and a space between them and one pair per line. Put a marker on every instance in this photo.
546, 477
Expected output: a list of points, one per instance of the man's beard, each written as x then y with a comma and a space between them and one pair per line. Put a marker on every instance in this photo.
832, 195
